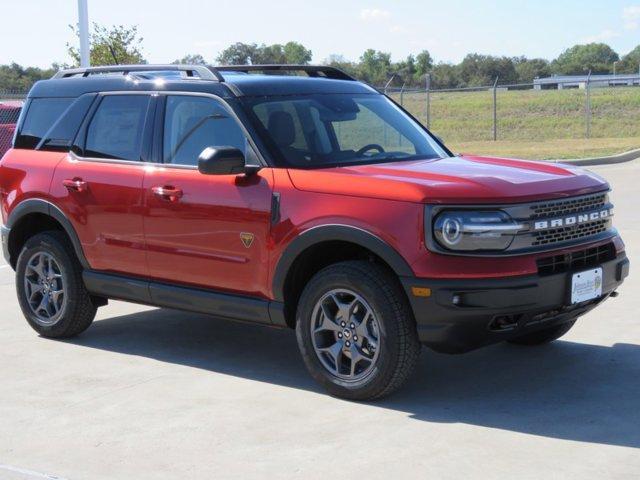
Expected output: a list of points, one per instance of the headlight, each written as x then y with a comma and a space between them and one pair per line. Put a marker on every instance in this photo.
471, 230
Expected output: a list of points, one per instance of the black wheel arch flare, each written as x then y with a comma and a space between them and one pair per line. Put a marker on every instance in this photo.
327, 233
34, 205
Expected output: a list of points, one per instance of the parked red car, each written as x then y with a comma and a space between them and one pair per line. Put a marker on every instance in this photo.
9, 114
314, 203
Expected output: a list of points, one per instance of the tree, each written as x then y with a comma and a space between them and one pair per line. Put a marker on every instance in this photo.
579, 59
296, 54
424, 63
445, 75
528, 69
478, 70
17, 78
375, 67
405, 71
246, 54
118, 45
269, 54
631, 62
191, 59
237, 54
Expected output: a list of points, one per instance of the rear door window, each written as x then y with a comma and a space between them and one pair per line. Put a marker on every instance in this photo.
41, 115
117, 128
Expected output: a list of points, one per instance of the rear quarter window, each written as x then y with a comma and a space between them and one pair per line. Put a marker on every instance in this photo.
41, 114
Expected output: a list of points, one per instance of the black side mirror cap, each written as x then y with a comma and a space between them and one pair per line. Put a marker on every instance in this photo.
224, 161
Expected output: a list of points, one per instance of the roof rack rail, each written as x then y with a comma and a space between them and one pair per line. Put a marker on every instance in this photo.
196, 71
311, 70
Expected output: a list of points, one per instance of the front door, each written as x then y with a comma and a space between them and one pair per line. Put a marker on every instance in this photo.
203, 230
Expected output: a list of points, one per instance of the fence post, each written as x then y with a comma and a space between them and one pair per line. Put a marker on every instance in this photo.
587, 109
495, 110
428, 85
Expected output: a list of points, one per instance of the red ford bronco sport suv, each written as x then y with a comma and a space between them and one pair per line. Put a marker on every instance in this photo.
304, 201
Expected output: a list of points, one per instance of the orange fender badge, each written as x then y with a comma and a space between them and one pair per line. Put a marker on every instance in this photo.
247, 239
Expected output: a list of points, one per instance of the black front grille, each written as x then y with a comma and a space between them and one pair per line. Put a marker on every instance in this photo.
564, 234
559, 208
581, 259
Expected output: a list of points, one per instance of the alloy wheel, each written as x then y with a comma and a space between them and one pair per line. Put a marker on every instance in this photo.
44, 288
345, 335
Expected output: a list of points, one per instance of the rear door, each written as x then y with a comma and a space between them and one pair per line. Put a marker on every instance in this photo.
206, 230
99, 187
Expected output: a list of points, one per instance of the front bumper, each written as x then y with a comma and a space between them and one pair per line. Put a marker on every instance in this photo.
4, 233
493, 310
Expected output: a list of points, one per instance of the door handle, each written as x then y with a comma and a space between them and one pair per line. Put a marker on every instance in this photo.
171, 194
75, 185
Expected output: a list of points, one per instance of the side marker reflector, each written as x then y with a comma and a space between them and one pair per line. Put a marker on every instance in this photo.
421, 291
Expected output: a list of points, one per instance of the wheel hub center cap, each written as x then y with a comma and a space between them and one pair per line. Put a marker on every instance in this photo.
347, 333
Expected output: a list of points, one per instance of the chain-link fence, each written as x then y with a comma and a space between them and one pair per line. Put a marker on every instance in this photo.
602, 111
10, 106
606, 112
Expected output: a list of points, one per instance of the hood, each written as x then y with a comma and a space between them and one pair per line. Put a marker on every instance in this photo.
466, 179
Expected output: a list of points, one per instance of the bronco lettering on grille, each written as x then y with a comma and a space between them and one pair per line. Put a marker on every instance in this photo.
573, 220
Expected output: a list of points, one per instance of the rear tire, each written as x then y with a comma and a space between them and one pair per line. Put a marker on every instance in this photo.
50, 288
541, 337
356, 331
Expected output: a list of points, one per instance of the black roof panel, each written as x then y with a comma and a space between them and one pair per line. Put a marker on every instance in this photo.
235, 83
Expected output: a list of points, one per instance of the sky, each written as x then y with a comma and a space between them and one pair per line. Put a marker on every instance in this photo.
35, 32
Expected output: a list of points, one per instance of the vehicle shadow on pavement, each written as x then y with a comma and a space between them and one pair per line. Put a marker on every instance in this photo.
565, 390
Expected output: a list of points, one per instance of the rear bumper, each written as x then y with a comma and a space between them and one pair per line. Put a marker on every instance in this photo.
4, 233
494, 310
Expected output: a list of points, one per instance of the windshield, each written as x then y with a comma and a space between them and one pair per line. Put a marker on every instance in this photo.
328, 130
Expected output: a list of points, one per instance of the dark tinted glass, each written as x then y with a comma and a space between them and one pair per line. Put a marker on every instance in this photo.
41, 115
117, 127
61, 135
195, 123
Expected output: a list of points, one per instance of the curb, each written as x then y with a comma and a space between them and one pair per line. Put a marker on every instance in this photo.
613, 159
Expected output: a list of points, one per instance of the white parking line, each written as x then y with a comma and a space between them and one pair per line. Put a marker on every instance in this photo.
29, 473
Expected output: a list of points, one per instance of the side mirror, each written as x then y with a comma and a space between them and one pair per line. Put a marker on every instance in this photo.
223, 161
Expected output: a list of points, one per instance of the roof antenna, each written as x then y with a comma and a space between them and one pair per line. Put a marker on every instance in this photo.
113, 54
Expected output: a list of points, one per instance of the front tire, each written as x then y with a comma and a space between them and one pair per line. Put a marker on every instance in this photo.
542, 337
50, 289
356, 332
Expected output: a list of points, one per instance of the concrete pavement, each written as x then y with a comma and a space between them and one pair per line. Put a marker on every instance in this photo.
149, 393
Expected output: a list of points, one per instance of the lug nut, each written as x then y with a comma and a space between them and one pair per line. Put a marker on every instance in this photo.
353, 325
339, 334
348, 343
343, 324
355, 338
